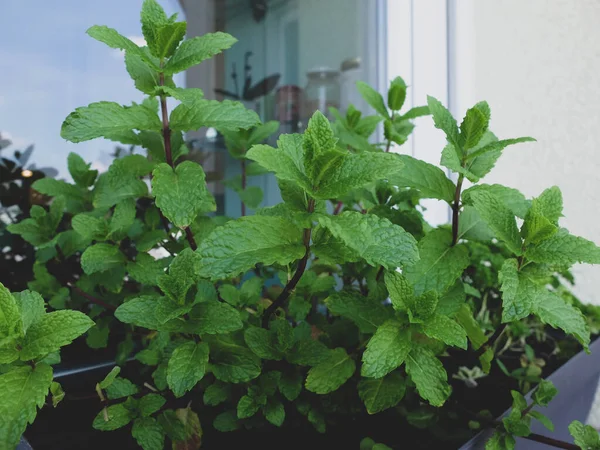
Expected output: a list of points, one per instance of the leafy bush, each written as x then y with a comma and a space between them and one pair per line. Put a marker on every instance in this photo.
372, 304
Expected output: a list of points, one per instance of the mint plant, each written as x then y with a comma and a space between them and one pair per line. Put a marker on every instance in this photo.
339, 301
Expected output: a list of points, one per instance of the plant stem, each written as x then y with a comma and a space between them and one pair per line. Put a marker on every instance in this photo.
492, 340
338, 208
168, 153
291, 284
540, 438
93, 299
456, 209
243, 185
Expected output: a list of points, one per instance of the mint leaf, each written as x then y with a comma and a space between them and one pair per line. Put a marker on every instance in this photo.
318, 142
549, 204
80, 170
32, 309
113, 39
90, 227
286, 161
122, 219
383, 393
274, 412
443, 120
117, 184
465, 318
247, 407
146, 269
214, 317
216, 393
140, 311
514, 200
400, 290
585, 436
474, 125
23, 390
374, 239
446, 330
396, 94
363, 311
290, 385
428, 373
226, 421
53, 331
100, 258
261, 342
430, 180
145, 78
355, 170
183, 273
565, 249
11, 323
240, 244
225, 115
106, 119
498, 217
544, 393
181, 194
194, 51
186, 367
373, 98
148, 433
386, 350
330, 374
441, 264
497, 146
517, 299
120, 388
232, 362
118, 416
542, 419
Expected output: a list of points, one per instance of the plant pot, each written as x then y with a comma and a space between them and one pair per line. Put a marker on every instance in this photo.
578, 398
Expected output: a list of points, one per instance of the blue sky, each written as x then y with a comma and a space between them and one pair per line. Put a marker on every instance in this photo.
49, 66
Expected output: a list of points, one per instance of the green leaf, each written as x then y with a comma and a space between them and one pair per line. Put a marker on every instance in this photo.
241, 244
214, 317
355, 170
140, 311
378, 241
23, 390
318, 141
122, 219
383, 393
152, 17
417, 111
231, 362
57, 393
290, 385
465, 318
181, 194
216, 393
247, 407
90, 227
101, 257
117, 184
53, 331
145, 78
544, 393
386, 350
105, 119
498, 217
330, 374
183, 274
549, 204
400, 291
396, 94
512, 199
148, 433
80, 170
373, 98
11, 323
444, 121
261, 342
430, 180
226, 421
274, 412
474, 125
110, 377
542, 419
120, 388
517, 298
497, 146
113, 39
364, 312
187, 367
194, 51
32, 308
564, 249
286, 161
446, 330
585, 436
118, 416
552, 310
428, 373
500, 441
146, 269
225, 115
441, 264
173, 426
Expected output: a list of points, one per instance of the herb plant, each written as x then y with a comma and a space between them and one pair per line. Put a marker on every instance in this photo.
339, 300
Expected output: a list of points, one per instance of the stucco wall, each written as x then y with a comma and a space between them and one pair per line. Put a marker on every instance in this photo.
537, 63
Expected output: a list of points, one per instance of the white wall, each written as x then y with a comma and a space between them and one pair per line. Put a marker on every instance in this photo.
537, 63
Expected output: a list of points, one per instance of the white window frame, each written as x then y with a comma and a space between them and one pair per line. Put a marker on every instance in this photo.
418, 37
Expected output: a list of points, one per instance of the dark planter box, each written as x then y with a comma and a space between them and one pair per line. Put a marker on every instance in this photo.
577, 384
